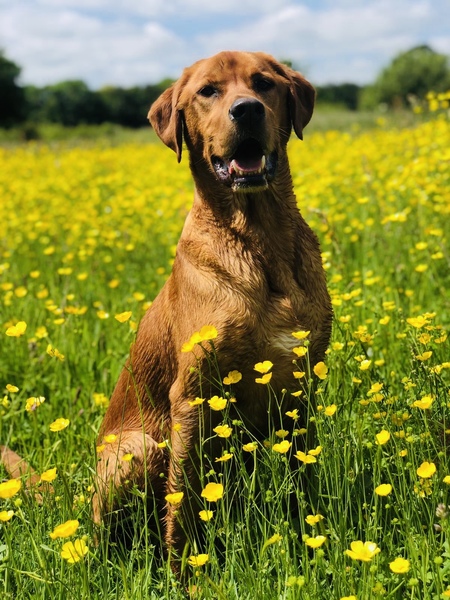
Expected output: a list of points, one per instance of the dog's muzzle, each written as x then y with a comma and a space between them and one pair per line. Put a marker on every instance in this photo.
250, 167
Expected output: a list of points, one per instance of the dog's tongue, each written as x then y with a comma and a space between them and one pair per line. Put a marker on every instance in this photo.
247, 165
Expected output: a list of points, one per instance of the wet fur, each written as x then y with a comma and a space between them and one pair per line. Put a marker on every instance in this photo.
246, 263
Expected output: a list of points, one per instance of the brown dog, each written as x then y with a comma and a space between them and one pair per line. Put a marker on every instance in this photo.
246, 263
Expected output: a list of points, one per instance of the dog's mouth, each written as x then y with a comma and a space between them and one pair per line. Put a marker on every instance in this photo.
248, 169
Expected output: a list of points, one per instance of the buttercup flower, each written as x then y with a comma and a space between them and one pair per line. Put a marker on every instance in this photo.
299, 374
424, 356
252, 446
17, 330
400, 565
217, 403
10, 488
263, 367
55, 353
208, 333
123, 317
223, 431
305, 458
232, 377
315, 542
33, 402
65, 529
383, 437
330, 410
196, 402
321, 370
384, 489
100, 399
313, 519
212, 492
426, 470
198, 560
6, 515
276, 537
417, 322
74, 551
300, 335
281, 433
363, 551
206, 515
49, 475
293, 414
282, 447
375, 388
424, 403
59, 424
174, 498
300, 351
225, 457
264, 379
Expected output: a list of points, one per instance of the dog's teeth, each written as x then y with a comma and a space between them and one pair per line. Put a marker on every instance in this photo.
233, 168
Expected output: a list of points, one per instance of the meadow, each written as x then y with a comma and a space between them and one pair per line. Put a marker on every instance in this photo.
88, 234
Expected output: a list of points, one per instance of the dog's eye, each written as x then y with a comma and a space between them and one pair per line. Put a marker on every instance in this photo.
207, 91
263, 85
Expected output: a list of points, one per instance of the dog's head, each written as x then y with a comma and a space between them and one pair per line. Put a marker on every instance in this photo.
236, 111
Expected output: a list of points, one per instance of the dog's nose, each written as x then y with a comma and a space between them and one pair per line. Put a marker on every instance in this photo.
247, 111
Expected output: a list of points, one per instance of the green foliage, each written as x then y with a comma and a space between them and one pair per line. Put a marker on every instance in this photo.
89, 232
414, 72
69, 103
12, 102
344, 94
129, 107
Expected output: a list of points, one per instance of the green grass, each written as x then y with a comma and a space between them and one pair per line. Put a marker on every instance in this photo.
99, 225
325, 118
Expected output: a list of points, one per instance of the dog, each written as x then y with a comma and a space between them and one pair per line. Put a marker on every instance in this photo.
246, 263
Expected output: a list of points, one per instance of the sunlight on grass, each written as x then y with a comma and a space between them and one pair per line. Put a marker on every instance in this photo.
349, 497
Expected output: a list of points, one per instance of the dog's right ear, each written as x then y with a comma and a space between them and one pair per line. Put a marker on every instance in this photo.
167, 120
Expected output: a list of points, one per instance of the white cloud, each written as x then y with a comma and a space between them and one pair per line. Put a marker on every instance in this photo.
123, 43
73, 46
348, 41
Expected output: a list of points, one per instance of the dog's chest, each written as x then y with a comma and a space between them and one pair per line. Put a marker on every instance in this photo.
266, 329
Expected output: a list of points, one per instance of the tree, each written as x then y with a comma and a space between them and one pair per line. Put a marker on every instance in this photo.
129, 107
12, 98
69, 103
414, 72
344, 94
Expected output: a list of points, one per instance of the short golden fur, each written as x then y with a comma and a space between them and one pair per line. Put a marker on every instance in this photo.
246, 263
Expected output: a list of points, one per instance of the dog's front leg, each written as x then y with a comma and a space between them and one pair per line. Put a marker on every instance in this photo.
184, 476
130, 457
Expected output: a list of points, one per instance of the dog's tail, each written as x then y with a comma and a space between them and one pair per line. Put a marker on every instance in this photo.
18, 467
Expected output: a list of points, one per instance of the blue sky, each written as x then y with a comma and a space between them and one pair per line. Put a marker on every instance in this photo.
125, 42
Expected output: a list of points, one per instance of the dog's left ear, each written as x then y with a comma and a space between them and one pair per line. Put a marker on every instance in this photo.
301, 101
167, 120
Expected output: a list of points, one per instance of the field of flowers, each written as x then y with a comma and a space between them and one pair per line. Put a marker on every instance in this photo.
87, 238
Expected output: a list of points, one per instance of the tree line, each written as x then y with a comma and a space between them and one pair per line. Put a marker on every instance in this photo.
71, 103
